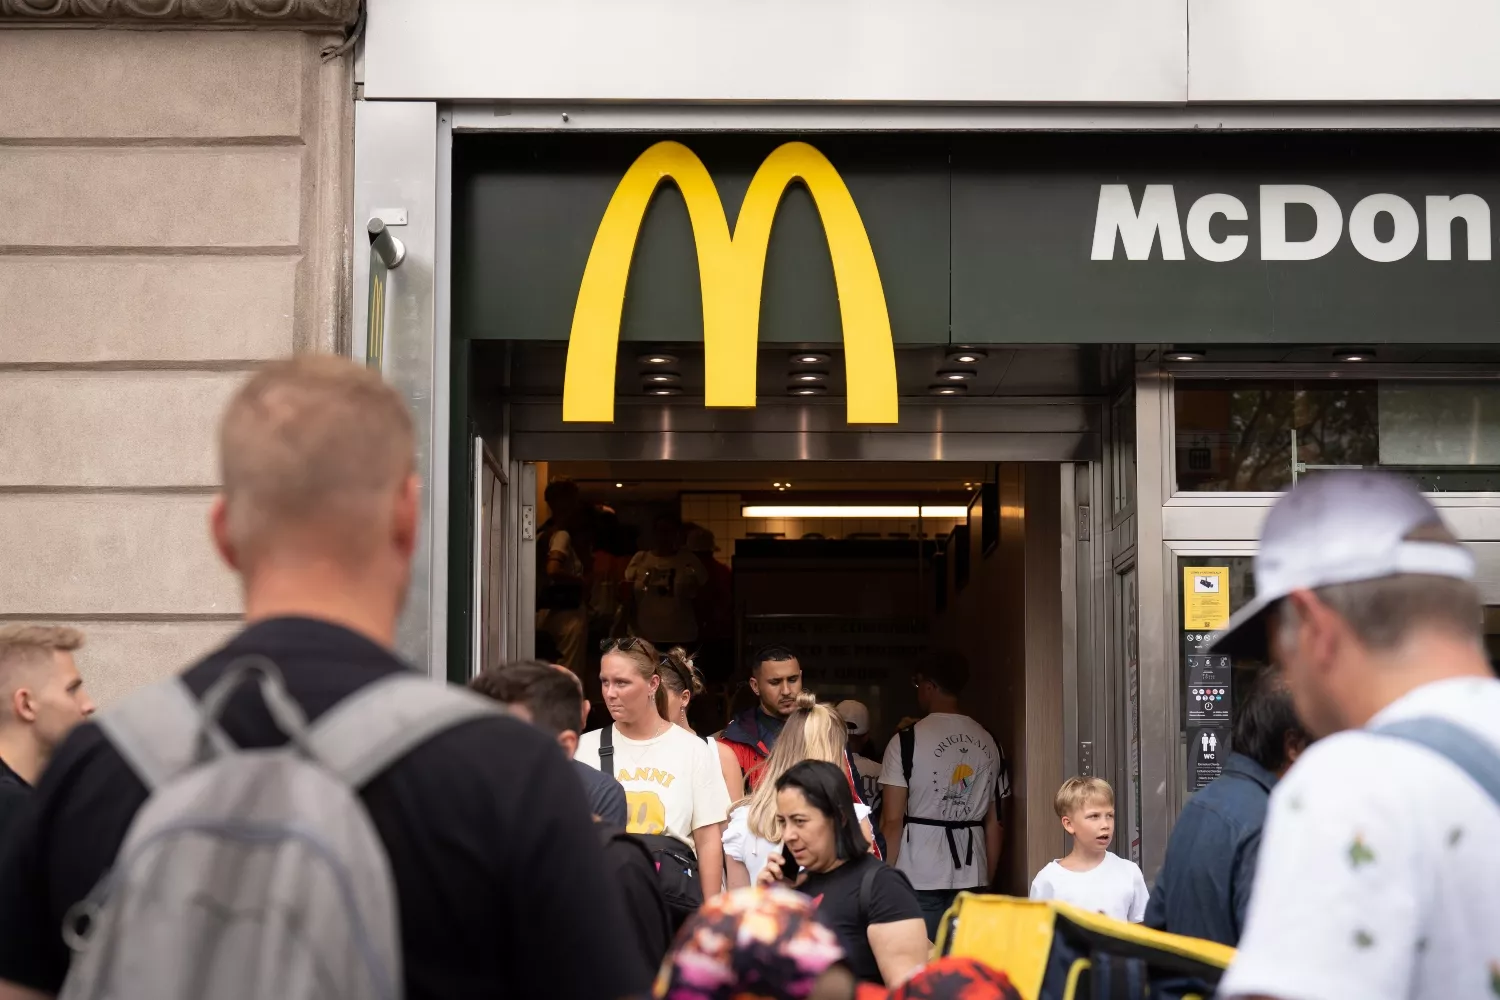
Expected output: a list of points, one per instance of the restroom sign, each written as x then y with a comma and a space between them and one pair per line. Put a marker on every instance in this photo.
1205, 597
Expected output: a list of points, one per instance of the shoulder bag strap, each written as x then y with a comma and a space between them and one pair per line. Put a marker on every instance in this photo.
382, 722
908, 753
1466, 751
607, 750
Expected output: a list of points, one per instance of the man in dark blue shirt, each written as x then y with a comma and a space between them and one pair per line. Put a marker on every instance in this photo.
1203, 889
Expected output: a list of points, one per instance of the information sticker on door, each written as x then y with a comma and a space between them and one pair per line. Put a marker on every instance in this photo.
1205, 597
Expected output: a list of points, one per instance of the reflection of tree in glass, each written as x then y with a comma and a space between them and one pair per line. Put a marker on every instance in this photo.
1335, 425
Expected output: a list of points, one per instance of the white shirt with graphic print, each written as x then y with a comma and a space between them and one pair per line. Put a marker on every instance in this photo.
673, 783
957, 771
1378, 876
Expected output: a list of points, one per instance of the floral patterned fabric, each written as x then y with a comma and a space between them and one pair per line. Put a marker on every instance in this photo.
750, 944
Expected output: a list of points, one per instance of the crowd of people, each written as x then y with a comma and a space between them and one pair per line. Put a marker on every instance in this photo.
289, 817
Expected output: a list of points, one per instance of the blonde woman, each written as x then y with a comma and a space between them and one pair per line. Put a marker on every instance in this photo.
812, 732
680, 684
673, 787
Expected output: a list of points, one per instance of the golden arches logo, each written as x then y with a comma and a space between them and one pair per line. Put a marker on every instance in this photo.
731, 269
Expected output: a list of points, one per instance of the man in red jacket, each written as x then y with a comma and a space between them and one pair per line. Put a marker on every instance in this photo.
776, 679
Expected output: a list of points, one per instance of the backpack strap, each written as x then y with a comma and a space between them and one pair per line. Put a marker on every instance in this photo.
908, 737
382, 722
159, 731
1466, 751
607, 750
866, 891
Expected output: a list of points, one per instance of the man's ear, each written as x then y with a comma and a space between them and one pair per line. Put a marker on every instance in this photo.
755, 687
23, 704
587, 708
408, 514
568, 740
1067, 825
1320, 629
218, 526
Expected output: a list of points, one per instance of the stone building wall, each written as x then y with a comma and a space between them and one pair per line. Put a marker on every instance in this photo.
174, 209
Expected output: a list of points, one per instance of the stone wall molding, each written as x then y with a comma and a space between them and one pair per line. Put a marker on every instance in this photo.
289, 13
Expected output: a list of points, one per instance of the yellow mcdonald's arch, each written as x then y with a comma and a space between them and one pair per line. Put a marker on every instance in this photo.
730, 270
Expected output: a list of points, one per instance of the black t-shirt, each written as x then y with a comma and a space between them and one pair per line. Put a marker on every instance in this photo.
837, 893
14, 791
498, 869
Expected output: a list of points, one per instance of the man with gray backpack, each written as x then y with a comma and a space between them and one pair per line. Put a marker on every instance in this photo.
300, 815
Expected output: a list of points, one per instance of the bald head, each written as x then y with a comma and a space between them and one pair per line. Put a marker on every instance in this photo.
316, 454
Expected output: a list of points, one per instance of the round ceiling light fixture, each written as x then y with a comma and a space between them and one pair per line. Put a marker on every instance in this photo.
808, 376
1354, 354
809, 358
663, 390
956, 374
967, 356
1186, 354
807, 390
948, 389
662, 378
656, 358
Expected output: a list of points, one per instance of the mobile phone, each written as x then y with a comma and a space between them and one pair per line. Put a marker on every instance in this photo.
789, 866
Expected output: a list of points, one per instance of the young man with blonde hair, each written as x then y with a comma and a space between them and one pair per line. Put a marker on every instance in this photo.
1090, 876
44, 700
494, 862
1377, 875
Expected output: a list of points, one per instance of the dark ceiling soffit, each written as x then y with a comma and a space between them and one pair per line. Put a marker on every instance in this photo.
284, 13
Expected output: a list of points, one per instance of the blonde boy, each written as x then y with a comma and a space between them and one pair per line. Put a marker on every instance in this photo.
1090, 876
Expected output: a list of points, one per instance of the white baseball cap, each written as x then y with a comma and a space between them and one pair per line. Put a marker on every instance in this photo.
855, 715
1339, 527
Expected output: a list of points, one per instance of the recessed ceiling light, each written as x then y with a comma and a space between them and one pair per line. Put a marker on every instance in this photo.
1185, 354
662, 378
957, 374
809, 358
967, 356
808, 376
948, 389
619, 486
663, 390
807, 390
656, 358
1354, 354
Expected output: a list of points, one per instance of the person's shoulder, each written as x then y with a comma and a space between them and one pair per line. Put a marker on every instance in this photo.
1124, 866
486, 747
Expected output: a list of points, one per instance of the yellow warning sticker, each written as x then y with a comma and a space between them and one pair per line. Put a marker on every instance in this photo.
1205, 597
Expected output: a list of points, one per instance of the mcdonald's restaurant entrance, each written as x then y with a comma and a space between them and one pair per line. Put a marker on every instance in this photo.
724, 372
862, 548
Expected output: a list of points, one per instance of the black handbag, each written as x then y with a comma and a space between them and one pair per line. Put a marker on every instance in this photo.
676, 862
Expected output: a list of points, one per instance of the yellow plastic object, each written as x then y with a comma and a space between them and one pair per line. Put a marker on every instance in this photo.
1017, 935
1006, 933
731, 269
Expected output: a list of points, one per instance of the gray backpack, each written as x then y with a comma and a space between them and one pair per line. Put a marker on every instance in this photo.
254, 874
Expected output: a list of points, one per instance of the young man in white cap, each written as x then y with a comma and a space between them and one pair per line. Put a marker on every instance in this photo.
1377, 874
857, 717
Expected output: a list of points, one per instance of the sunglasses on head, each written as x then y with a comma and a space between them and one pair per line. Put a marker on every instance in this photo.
627, 643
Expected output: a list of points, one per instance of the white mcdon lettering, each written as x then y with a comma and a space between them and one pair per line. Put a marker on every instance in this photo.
1157, 223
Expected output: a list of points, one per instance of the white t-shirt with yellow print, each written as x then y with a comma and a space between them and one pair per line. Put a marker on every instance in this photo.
673, 784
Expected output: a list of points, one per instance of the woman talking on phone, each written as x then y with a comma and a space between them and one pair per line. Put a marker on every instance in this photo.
673, 789
812, 732
871, 907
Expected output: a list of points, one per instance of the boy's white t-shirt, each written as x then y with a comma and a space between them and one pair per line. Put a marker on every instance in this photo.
1377, 875
1113, 887
751, 850
673, 784
957, 771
